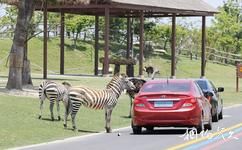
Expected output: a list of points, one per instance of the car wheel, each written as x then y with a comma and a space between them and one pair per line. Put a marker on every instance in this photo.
150, 129
200, 127
215, 116
220, 116
209, 125
136, 129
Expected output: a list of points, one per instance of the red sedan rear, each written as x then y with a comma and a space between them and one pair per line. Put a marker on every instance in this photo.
171, 102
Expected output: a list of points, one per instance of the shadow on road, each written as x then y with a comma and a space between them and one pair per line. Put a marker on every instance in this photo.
162, 132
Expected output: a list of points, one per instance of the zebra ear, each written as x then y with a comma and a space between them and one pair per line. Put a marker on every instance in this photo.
66, 83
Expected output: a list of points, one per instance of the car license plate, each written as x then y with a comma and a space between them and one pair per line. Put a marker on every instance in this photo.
163, 104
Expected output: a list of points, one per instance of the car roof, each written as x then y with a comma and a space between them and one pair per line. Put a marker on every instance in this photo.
170, 80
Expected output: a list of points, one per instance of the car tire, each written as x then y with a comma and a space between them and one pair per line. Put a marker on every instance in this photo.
215, 116
136, 129
150, 129
200, 127
209, 125
220, 116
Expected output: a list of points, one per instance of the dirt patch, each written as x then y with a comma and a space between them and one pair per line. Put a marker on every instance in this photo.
27, 92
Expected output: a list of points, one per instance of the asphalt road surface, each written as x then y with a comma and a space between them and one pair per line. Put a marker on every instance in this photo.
226, 134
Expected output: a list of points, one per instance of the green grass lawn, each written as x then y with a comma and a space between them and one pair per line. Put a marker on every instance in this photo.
19, 123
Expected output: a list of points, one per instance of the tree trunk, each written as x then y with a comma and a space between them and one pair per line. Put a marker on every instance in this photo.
26, 74
16, 57
75, 41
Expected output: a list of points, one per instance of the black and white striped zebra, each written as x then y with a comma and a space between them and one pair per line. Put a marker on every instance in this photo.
97, 99
55, 93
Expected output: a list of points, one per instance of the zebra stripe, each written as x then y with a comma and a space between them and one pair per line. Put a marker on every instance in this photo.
97, 99
54, 93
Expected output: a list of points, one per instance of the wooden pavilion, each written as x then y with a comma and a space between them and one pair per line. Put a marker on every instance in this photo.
126, 9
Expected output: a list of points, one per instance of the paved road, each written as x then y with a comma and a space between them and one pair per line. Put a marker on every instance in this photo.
226, 134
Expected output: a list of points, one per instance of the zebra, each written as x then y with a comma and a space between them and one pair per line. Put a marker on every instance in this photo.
96, 99
138, 83
53, 92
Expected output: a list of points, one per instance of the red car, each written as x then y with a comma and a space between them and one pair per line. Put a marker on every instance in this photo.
171, 103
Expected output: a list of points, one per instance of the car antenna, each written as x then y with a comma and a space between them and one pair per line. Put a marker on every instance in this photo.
167, 80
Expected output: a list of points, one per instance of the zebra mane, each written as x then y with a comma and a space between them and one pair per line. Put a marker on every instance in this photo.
115, 85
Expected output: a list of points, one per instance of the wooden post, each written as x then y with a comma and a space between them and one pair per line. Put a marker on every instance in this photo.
96, 45
173, 47
128, 37
45, 42
203, 55
238, 75
106, 39
237, 82
62, 42
116, 69
141, 44
129, 68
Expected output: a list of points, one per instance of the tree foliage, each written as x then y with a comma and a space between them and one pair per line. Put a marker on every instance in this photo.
226, 31
8, 21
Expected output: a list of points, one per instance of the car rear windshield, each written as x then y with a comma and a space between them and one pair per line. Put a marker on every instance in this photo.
202, 84
167, 87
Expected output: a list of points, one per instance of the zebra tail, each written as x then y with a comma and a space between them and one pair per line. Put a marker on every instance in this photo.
67, 103
42, 91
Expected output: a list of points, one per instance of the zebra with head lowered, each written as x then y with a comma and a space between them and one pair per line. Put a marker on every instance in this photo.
55, 93
138, 83
96, 99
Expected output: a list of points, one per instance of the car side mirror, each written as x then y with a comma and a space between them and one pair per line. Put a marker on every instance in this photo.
208, 94
220, 89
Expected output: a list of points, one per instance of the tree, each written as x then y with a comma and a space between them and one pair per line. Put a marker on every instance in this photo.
16, 57
226, 32
76, 23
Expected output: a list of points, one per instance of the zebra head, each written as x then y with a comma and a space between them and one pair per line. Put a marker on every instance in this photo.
120, 83
126, 83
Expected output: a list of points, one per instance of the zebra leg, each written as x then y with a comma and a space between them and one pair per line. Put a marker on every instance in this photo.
52, 102
108, 113
67, 112
58, 109
41, 108
73, 118
74, 109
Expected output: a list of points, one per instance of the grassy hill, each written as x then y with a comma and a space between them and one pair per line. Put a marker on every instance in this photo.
81, 61
30, 130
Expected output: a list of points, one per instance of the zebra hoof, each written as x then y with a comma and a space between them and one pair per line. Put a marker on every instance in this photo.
39, 116
59, 118
65, 126
52, 119
74, 128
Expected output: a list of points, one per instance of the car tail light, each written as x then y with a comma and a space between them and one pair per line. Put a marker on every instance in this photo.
189, 103
140, 105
